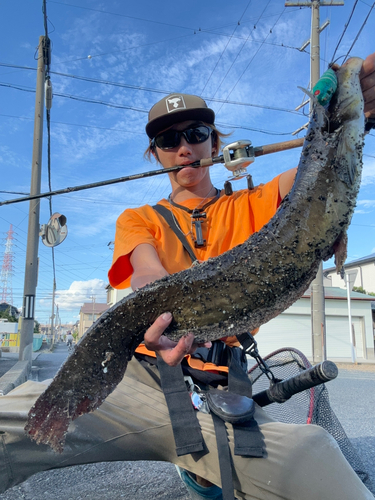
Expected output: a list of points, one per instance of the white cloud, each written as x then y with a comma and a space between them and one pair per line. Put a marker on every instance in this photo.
80, 292
368, 174
366, 203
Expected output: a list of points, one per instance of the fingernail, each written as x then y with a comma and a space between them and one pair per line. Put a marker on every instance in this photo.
167, 316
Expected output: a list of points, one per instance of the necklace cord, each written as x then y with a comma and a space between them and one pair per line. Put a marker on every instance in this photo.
194, 217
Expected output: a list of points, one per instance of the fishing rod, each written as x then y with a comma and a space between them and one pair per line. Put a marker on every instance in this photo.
236, 157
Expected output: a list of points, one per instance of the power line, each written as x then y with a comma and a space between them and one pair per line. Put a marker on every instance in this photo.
239, 52
251, 60
359, 32
123, 15
225, 48
132, 108
345, 28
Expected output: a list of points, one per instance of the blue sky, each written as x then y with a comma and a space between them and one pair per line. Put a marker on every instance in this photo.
239, 51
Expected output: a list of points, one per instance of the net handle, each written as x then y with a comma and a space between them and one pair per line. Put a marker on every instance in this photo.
284, 390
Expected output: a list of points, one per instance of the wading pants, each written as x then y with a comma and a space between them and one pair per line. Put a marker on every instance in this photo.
302, 461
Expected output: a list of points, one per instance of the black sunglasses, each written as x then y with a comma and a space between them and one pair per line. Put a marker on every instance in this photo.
172, 138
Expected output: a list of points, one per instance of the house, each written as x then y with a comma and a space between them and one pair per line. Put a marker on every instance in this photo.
292, 328
363, 270
88, 314
114, 295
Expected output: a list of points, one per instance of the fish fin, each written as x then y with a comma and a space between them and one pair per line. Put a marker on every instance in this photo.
340, 249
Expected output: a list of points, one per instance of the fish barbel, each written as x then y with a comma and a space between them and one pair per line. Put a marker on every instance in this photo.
237, 291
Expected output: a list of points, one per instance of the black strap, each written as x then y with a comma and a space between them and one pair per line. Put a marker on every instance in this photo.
185, 424
248, 439
164, 212
225, 459
238, 379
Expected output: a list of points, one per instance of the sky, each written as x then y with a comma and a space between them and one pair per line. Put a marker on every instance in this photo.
241, 56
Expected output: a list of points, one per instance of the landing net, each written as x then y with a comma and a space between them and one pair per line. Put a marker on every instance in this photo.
308, 407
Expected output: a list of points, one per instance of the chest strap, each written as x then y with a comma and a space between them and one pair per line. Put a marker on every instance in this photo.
164, 212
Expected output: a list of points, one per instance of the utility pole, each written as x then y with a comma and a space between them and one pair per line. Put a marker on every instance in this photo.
93, 309
318, 325
31, 267
53, 313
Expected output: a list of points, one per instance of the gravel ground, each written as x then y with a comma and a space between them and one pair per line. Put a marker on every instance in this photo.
114, 481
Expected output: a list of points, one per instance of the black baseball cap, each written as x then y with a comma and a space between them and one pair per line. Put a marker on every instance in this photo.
177, 108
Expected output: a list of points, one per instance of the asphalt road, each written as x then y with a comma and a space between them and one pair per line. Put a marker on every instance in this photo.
352, 397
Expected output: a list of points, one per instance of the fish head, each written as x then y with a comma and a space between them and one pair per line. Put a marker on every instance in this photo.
347, 103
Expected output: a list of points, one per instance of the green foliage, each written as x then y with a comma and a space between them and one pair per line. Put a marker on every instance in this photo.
359, 289
36, 326
6, 315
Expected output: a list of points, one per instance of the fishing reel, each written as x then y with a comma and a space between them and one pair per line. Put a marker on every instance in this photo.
237, 157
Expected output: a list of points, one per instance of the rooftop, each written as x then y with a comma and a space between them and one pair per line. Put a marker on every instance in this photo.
93, 307
332, 292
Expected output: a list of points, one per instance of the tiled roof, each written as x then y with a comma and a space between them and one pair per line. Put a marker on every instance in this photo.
97, 307
333, 292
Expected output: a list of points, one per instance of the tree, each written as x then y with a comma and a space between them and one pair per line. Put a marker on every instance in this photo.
36, 326
359, 289
8, 316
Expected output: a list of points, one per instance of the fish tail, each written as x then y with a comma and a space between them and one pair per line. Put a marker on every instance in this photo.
49, 418
95, 368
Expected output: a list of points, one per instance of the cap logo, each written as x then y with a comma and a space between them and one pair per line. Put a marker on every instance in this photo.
175, 102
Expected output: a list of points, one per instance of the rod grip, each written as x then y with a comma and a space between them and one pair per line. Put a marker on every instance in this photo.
282, 391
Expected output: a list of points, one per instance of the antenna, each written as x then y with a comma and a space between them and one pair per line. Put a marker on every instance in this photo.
7, 269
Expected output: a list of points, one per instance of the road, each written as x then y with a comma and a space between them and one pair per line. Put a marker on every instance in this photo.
352, 397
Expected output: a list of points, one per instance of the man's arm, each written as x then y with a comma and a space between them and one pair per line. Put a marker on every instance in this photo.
286, 182
146, 265
148, 268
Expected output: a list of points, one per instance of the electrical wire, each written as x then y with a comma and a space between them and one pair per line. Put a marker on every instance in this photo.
251, 60
134, 18
344, 30
225, 48
145, 111
239, 52
359, 32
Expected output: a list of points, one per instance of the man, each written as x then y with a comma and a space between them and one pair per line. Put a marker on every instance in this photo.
69, 340
133, 423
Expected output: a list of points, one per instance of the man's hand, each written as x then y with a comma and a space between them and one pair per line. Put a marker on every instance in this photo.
171, 352
367, 78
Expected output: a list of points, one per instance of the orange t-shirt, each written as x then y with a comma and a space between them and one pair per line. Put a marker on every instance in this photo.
230, 221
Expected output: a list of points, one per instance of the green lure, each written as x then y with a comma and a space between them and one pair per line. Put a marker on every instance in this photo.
325, 87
